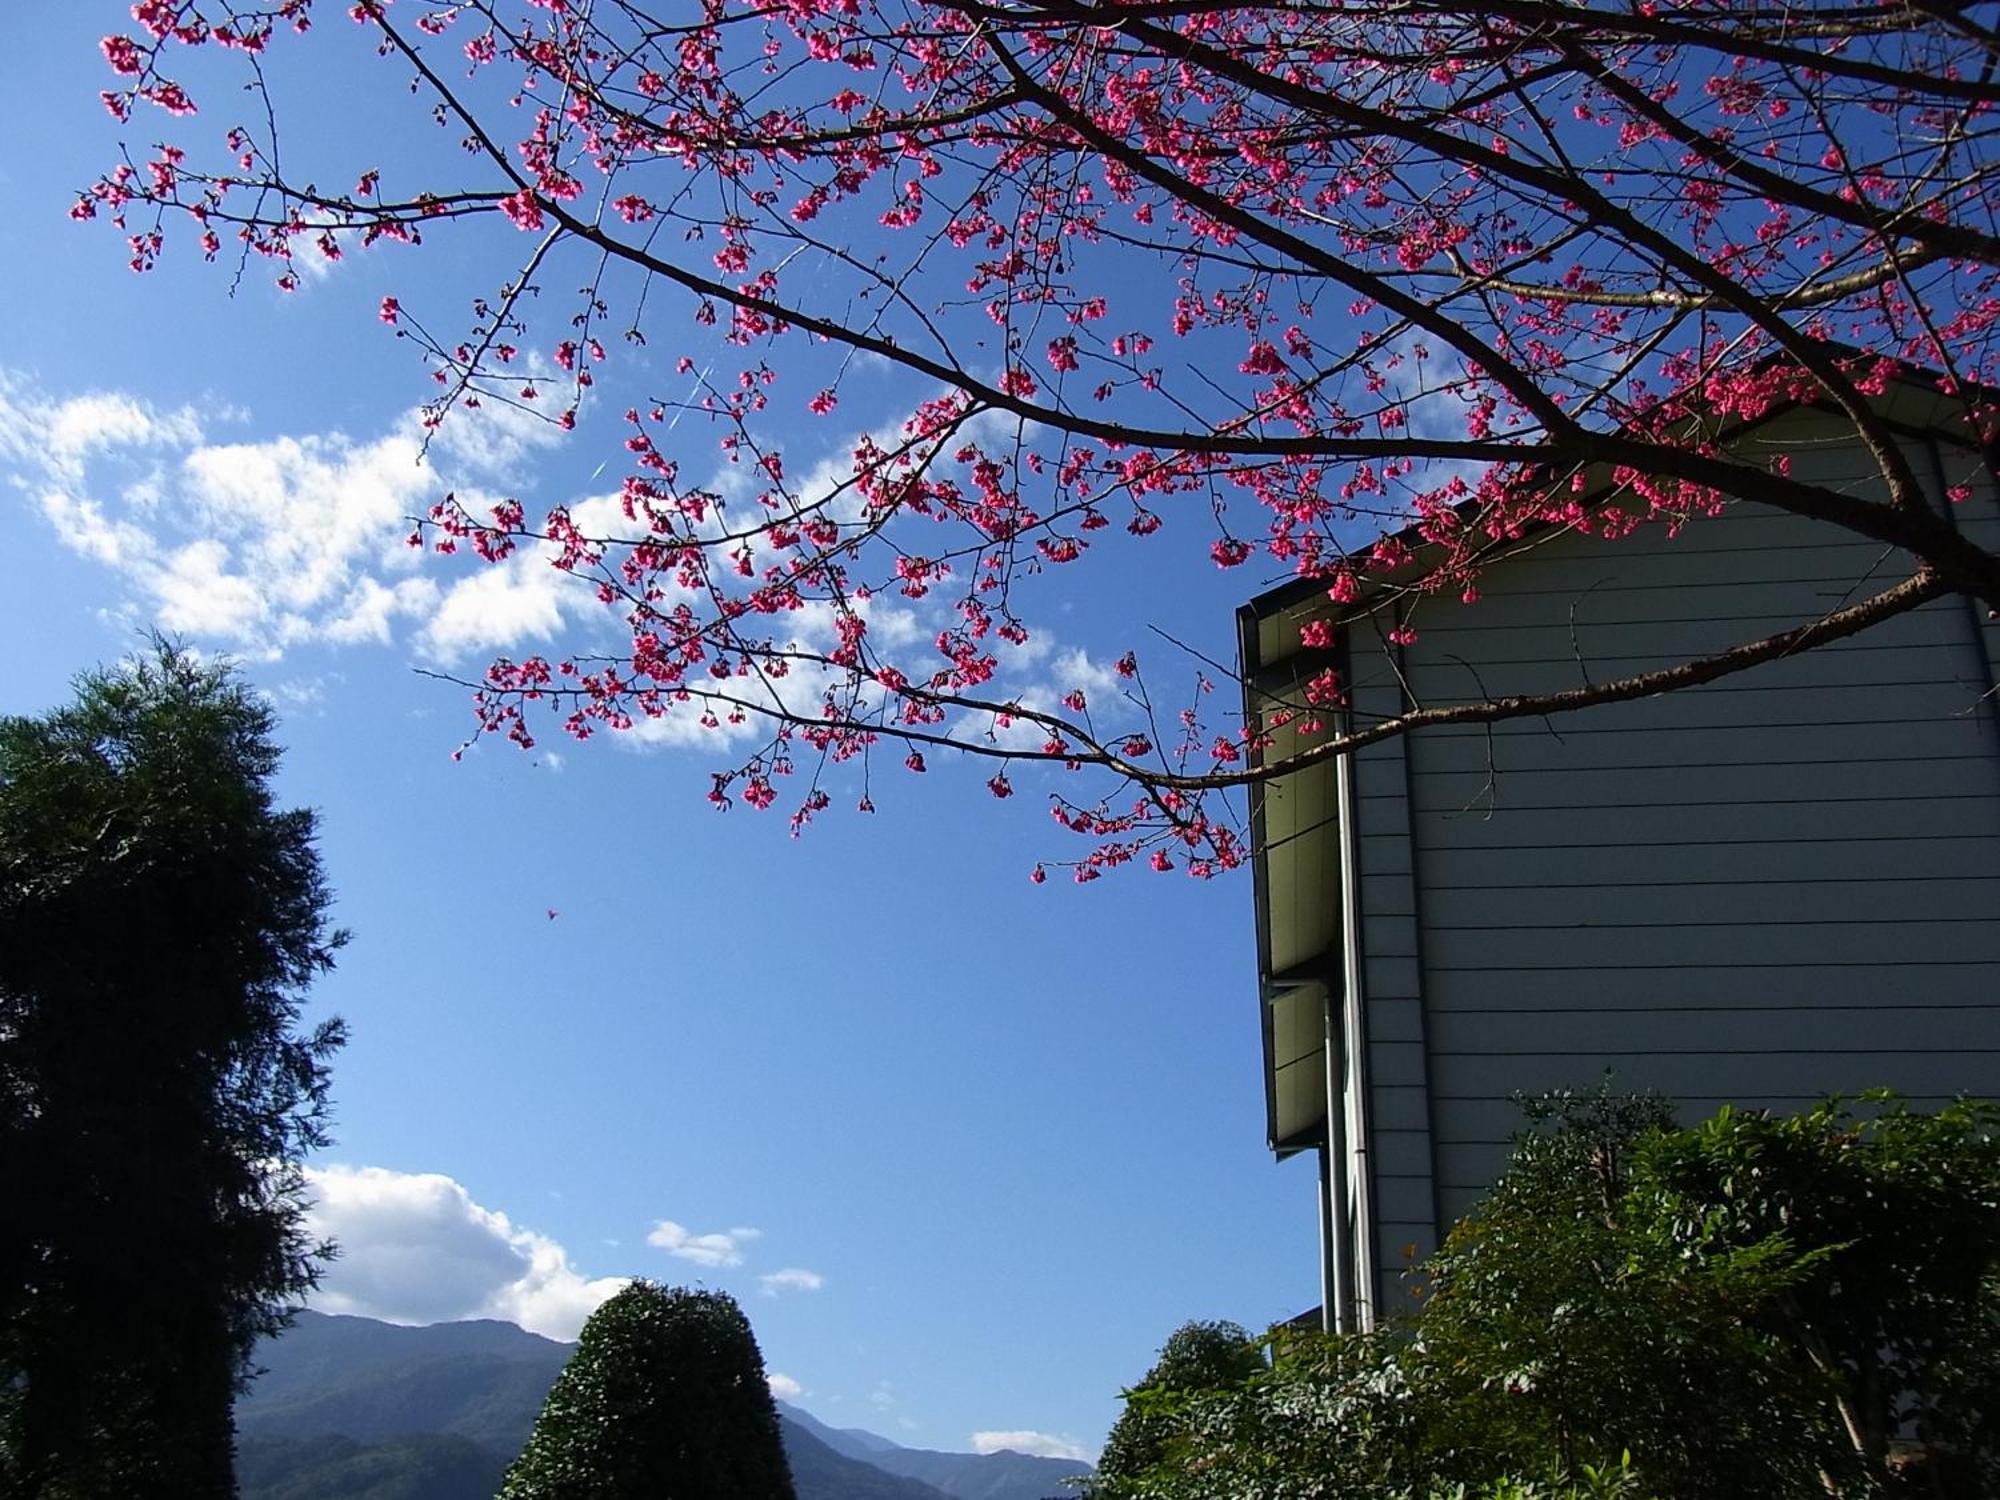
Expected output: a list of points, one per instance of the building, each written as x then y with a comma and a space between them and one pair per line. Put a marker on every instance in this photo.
1781, 884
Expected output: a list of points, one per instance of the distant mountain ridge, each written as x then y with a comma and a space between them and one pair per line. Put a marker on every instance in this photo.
855, 1442
355, 1409
365, 1380
963, 1476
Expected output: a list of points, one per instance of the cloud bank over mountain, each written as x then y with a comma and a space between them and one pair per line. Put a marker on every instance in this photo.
415, 1248
1035, 1444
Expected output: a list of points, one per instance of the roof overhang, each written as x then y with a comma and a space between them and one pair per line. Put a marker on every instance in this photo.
1295, 870
1914, 405
1296, 856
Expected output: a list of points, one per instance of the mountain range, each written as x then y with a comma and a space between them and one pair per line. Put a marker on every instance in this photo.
353, 1409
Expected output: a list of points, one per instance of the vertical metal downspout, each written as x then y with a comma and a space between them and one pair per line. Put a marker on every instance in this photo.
1975, 612
1336, 1248
1326, 1276
1330, 1256
1354, 1044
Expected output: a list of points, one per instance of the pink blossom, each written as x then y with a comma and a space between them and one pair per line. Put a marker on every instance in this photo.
1228, 552
522, 208
123, 55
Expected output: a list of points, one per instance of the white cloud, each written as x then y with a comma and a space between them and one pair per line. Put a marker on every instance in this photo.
998, 431
791, 1279
369, 609
1036, 1444
302, 692
261, 545
309, 511
197, 592
784, 1387
1039, 676
723, 1247
252, 544
682, 727
500, 606
84, 527
107, 419
56, 437
415, 1248
499, 438
801, 691
527, 599
1073, 668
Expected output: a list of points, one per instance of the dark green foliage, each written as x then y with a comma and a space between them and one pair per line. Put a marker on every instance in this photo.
424, 1466
665, 1398
1196, 1357
159, 919
1555, 1332
1751, 1310
1314, 1422
1332, 1418
1890, 1224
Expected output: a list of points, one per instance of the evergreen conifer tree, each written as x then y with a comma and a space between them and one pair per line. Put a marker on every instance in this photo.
159, 919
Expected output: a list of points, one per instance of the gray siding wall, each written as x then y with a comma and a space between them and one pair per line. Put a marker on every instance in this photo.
1402, 1153
1782, 884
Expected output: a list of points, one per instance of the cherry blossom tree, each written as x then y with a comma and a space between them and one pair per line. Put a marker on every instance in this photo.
1266, 278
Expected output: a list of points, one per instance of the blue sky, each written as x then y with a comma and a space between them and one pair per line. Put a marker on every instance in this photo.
967, 1148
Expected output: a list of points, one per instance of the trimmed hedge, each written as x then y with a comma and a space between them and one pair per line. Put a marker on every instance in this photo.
665, 1399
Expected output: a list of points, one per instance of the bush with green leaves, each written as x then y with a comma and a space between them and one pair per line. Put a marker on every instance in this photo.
1886, 1221
1757, 1308
664, 1399
1322, 1418
1196, 1357
1329, 1418
1558, 1331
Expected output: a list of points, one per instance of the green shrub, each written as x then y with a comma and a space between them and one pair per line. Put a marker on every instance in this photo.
1756, 1309
1555, 1332
665, 1398
1196, 1357
1887, 1223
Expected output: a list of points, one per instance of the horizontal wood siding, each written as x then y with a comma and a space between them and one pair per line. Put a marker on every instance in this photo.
1759, 891
1978, 517
1400, 1148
